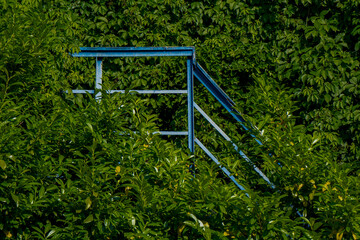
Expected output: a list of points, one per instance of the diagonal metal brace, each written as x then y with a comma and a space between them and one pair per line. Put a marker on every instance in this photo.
227, 138
221, 96
220, 166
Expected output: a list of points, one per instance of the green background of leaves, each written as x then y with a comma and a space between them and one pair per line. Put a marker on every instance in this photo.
292, 67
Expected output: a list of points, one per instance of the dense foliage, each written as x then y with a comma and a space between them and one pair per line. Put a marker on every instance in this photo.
66, 172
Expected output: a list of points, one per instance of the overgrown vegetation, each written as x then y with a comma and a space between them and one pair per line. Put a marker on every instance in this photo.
292, 67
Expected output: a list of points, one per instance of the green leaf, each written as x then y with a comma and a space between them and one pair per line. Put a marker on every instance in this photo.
317, 225
90, 127
327, 98
89, 219
88, 203
2, 164
15, 198
103, 19
357, 46
41, 192
50, 233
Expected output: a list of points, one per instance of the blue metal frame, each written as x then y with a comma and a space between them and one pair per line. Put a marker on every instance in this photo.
168, 133
133, 91
136, 52
221, 96
193, 70
190, 89
98, 80
219, 164
227, 138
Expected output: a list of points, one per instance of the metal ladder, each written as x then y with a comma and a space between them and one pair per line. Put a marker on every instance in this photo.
193, 70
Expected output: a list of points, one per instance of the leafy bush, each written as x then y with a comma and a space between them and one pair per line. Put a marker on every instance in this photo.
72, 167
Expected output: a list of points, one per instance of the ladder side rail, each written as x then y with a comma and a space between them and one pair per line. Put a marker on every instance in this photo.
190, 101
227, 138
227, 172
219, 94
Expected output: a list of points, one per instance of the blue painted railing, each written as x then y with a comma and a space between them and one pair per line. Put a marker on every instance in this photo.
193, 70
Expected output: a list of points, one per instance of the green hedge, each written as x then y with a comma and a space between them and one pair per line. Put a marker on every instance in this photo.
67, 173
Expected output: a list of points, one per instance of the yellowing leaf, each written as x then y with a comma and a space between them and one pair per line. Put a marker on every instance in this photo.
340, 197
8, 234
88, 203
227, 233
313, 183
2, 164
354, 236
180, 229
127, 190
117, 170
339, 236
326, 186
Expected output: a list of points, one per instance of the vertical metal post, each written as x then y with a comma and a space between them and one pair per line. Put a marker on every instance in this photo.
190, 91
98, 80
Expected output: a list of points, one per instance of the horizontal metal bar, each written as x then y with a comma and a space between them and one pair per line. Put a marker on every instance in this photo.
135, 91
134, 49
130, 54
149, 91
218, 163
81, 91
171, 133
242, 154
135, 52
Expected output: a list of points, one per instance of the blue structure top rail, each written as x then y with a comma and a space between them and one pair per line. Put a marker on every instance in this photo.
136, 52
